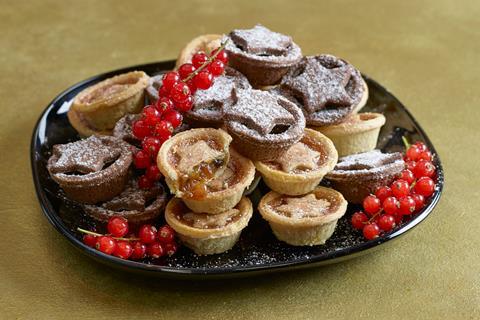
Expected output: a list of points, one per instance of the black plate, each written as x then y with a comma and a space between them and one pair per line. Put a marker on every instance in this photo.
257, 250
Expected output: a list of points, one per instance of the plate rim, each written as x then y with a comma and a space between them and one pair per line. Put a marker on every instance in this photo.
327, 258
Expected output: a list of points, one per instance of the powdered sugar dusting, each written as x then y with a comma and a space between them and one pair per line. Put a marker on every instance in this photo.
371, 162
261, 41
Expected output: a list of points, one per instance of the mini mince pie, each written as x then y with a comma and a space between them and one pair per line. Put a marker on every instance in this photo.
91, 170
303, 220
359, 133
138, 206
263, 125
356, 176
208, 104
191, 158
326, 88
208, 234
226, 190
98, 108
302, 167
263, 56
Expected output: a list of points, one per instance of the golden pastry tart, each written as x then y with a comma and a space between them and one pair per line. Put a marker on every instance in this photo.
304, 220
205, 233
226, 190
190, 159
98, 108
205, 42
359, 133
302, 167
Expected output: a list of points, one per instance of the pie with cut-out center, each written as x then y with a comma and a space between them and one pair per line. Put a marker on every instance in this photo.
303, 220
208, 234
302, 167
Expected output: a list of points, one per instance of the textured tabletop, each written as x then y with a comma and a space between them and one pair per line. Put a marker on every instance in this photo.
425, 52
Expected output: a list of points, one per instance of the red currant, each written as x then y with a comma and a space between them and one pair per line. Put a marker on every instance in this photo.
386, 222
419, 201
185, 70
144, 182
408, 176
166, 234
123, 250
199, 59
164, 104
141, 160
425, 155
170, 79
424, 186
421, 146
400, 188
412, 153
371, 231
90, 240
155, 250
406, 205
410, 165
117, 226
203, 80
222, 55
424, 168
390, 205
383, 192
170, 248
147, 233
359, 219
398, 217
106, 244
371, 204
174, 117
216, 68
163, 92
163, 130
180, 92
152, 173
151, 115
140, 129
185, 105
139, 250
192, 86
151, 145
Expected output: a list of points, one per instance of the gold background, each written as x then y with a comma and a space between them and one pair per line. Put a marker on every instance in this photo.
426, 52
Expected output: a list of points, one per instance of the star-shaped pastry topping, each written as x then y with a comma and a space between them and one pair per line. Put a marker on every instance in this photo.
132, 198
85, 156
212, 100
195, 154
259, 111
261, 41
319, 86
307, 206
299, 156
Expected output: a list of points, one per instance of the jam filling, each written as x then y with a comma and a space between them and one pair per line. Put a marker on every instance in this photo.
194, 185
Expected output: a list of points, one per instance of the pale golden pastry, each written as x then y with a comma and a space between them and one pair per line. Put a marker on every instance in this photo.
190, 159
359, 133
304, 220
208, 234
97, 109
205, 42
302, 167
226, 190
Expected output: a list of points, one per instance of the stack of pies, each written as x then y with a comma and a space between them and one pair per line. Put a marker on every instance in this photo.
273, 113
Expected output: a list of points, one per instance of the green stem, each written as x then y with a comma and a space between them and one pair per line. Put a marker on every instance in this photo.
405, 142
206, 63
99, 235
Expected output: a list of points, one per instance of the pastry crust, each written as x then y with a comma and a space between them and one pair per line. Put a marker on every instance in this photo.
359, 133
291, 183
169, 170
301, 231
217, 202
97, 108
205, 42
205, 241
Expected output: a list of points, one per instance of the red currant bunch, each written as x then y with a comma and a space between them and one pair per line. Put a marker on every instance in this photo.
405, 196
149, 242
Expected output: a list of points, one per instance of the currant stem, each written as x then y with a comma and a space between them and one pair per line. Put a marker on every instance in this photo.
203, 66
100, 235
405, 142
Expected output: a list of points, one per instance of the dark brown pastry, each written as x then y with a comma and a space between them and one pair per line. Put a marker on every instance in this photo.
91, 170
356, 176
263, 56
263, 126
138, 206
154, 84
208, 104
326, 88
